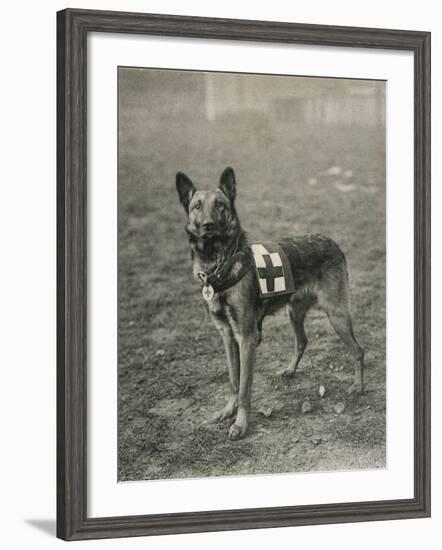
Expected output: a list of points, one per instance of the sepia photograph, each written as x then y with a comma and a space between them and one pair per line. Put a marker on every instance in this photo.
251, 274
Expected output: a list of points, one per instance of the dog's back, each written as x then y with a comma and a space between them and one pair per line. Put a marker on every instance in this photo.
318, 267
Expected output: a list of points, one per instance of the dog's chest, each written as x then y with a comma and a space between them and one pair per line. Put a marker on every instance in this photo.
217, 306
222, 313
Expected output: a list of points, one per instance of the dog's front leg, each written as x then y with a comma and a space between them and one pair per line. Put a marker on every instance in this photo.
247, 350
232, 356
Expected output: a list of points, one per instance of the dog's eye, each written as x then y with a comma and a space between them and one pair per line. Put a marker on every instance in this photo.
197, 206
219, 205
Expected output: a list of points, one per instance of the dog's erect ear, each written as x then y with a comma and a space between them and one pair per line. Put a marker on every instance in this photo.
227, 184
185, 189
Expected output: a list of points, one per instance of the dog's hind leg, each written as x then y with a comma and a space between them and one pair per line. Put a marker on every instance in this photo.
341, 322
333, 299
297, 310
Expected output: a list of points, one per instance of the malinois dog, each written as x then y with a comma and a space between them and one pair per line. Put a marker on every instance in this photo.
223, 265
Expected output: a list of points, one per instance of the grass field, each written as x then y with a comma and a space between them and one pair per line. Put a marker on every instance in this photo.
172, 373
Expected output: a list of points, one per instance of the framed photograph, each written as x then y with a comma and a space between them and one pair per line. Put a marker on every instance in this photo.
243, 274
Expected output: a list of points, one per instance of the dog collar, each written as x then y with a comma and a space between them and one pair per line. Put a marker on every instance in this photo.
220, 278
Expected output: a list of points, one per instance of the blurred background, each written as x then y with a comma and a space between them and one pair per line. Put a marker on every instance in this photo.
309, 157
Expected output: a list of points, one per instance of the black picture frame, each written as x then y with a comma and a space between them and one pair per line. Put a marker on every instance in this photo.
73, 27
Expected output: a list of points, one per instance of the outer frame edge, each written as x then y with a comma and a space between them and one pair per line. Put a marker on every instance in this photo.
72, 523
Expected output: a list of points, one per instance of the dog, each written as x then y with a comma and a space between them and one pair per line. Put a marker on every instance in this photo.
223, 265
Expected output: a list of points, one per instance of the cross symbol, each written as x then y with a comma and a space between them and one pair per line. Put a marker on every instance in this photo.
270, 272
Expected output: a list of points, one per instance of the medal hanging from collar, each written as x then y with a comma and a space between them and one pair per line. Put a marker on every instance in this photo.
207, 290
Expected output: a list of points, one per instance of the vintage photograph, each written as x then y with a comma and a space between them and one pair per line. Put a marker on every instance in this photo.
251, 274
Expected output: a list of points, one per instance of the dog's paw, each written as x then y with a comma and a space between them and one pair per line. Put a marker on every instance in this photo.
239, 428
286, 373
223, 414
228, 411
237, 432
356, 389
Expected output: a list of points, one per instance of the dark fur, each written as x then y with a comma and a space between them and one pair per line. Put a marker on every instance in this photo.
320, 275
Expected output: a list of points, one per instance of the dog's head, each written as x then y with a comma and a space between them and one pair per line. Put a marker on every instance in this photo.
211, 214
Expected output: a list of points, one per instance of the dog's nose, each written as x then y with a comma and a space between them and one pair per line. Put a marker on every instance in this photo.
208, 226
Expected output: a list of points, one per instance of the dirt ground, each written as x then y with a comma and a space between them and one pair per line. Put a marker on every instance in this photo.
172, 373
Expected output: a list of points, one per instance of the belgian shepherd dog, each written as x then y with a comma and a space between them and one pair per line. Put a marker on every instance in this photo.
223, 265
